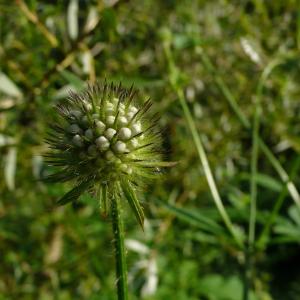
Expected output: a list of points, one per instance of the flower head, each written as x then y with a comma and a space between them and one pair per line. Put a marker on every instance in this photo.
106, 143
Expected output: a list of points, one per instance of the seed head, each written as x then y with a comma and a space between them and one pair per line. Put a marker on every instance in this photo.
107, 144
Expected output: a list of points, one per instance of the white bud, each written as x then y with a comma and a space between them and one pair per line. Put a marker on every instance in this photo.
76, 113
102, 143
87, 106
122, 106
118, 161
133, 109
100, 126
77, 141
122, 121
109, 133
89, 134
125, 168
110, 120
134, 143
92, 150
74, 128
136, 128
130, 115
124, 133
120, 147
95, 116
110, 110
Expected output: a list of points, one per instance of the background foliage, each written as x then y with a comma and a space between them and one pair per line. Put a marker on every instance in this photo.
214, 51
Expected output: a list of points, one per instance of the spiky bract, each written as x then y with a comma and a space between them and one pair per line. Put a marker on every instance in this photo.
106, 144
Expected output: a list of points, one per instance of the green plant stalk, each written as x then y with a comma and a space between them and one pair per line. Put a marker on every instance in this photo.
245, 122
249, 267
120, 255
200, 149
253, 188
262, 240
246, 276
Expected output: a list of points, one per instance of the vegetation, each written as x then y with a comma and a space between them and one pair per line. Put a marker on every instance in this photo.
224, 223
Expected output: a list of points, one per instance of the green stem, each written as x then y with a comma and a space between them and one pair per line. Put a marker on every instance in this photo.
253, 192
199, 146
245, 122
246, 279
263, 238
120, 255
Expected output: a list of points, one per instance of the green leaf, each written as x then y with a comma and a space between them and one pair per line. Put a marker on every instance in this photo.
8, 87
133, 201
72, 18
73, 79
75, 193
265, 181
10, 168
195, 219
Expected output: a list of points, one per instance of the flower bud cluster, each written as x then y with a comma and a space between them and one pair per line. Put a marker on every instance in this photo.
105, 136
105, 140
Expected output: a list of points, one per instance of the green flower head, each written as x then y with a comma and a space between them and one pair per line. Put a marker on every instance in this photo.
106, 144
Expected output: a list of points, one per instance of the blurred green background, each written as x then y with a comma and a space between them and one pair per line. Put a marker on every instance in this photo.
221, 56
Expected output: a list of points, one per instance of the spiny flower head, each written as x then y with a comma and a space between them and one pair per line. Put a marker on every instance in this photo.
106, 143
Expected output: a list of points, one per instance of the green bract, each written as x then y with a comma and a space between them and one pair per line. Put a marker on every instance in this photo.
106, 144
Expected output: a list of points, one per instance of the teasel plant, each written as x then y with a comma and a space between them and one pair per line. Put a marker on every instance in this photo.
110, 147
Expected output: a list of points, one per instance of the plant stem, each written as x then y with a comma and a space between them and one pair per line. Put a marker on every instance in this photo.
199, 147
246, 277
246, 124
263, 239
120, 255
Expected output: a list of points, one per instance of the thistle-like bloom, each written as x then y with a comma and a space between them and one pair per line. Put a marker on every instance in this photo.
106, 144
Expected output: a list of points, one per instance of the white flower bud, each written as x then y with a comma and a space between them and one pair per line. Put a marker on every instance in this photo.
123, 121
102, 143
130, 115
74, 128
136, 128
95, 116
110, 110
100, 127
76, 113
110, 120
124, 133
77, 141
89, 134
109, 133
87, 106
125, 168
133, 109
120, 147
92, 150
